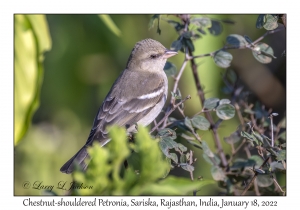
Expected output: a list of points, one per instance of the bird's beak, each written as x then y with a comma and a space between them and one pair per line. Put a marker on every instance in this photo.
169, 53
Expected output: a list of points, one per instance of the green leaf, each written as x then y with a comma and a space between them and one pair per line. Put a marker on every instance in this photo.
188, 123
263, 53
167, 132
202, 22
110, 24
164, 148
169, 142
176, 45
223, 59
183, 158
181, 147
174, 157
276, 165
187, 167
236, 40
195, 144
257, 159
231, 76
31, 40
151, 23
247, 135
211, 103
282, 135
187, 34
152, 20
217, 173
264, 181
281, 155
216, 28
247, 38
189, 44
225, 111
270, 22
176, 25
187, 137
259, 137
201, 31
260, 21
200, 122
224, 101
207, 150
170, 69
215, 160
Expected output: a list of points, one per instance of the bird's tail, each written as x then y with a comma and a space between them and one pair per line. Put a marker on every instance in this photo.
78, 158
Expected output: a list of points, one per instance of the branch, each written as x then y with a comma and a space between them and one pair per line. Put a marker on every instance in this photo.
247, 46
169, 112
207, 114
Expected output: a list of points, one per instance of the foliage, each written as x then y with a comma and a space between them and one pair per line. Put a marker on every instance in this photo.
144, 175
256, 150
229, 170
32, 39
110, 24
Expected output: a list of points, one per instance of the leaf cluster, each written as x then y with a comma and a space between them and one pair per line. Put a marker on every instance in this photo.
144, 174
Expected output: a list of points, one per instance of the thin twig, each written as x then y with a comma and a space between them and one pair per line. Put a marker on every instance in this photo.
169, 112
191, 162
247, 46
272, 130
278, 186
207, 114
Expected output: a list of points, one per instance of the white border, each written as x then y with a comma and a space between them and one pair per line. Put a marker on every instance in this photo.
8, 8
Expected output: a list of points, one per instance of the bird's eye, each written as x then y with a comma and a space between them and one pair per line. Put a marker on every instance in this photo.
153, 56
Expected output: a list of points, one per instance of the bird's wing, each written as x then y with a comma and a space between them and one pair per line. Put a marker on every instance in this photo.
125, 107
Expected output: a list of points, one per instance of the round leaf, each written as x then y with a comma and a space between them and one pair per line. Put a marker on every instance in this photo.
264, 181
281, 155
270, 22
224, 101
174, 157
167, 132
260, 21
216, 28
200, 122
217, 173
170, 69
223, 59
202, 21
207, 150
236, 40
188, 123
181, 147
225, 111
263, 53
211, 103
176, 45
188, 167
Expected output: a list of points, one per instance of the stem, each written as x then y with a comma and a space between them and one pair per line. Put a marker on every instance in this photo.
247, 46
272, 130
207, 114
169, 112
191, 162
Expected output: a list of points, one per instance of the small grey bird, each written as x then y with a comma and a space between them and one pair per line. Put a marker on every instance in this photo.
136, 97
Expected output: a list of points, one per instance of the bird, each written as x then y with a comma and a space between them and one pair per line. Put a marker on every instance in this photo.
135, 98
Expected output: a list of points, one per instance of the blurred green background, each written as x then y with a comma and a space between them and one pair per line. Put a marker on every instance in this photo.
86, 58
